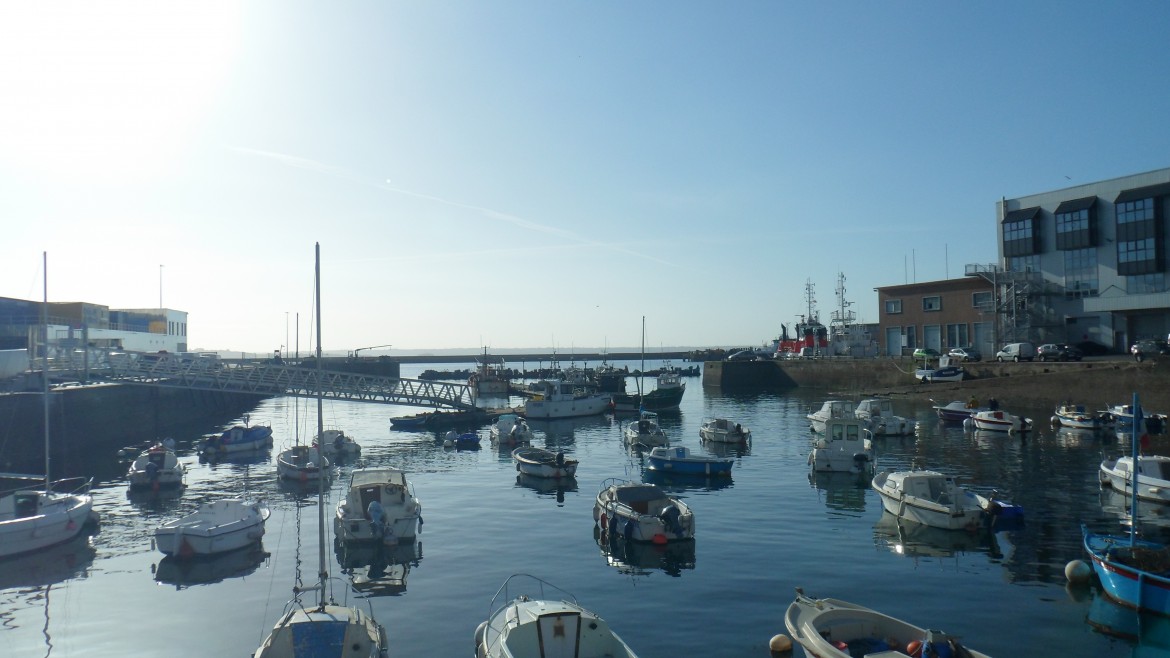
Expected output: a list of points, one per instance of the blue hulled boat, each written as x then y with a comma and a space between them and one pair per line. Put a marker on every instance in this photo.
679, 459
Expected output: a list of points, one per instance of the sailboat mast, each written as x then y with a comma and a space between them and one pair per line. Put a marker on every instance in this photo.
642, 369
1134, 471
320, 432
45, 373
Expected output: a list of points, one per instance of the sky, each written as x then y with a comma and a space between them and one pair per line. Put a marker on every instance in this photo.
530, 174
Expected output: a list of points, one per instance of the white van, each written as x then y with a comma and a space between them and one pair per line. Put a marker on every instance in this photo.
1016, 352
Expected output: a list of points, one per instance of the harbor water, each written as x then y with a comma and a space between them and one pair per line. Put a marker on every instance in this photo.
764, 531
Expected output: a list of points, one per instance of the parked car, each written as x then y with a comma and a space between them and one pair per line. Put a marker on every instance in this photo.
926, 353
1145, 349
743, 355
1058, 352
1016, 352
965, 354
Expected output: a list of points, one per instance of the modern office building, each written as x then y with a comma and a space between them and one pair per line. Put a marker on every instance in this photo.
74, 324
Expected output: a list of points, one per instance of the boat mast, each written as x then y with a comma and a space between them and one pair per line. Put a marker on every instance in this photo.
1134, 471
322, 573
642, 369
45, 373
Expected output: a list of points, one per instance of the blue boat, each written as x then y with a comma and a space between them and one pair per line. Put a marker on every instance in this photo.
1134, 572
464, 441
239, 439
679, 459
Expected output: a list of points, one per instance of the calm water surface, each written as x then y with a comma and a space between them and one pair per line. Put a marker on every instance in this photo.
760, 534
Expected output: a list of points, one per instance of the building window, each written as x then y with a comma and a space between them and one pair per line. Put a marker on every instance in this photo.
1072, 230
1131, 212
1080, 273
893, 306
908, 337
1021, 232
933, 303
1137, 257
1145, 283
983, 301
957, 335
1023, 264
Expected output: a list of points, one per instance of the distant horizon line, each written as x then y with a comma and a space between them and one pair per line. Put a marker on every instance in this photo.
478, 351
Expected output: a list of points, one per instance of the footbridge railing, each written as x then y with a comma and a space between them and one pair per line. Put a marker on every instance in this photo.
274, 380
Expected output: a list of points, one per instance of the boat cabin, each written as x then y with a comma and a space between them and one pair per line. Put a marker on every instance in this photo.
844, 434
875, 408
924, 485
643, 498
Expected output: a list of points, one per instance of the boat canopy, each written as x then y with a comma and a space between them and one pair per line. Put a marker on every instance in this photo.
368, 476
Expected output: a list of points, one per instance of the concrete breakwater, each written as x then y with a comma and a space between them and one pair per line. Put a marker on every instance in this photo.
101, 417
1095, 383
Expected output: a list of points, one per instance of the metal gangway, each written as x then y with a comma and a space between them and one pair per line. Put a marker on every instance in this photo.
270, 379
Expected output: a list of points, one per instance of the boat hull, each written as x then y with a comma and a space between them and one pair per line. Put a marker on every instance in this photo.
657, 400
217, 527
57, 519
953, 509
1148, 487
643, 519
1128, 585
680, 460
541, 463
590, 405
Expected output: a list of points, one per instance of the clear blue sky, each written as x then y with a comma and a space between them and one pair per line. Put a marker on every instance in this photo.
544, 174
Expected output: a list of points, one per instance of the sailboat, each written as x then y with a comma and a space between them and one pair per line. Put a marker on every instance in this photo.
304, 462
666, 396
33, 519
326, 629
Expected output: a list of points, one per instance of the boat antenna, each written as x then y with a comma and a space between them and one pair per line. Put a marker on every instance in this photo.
322, 572
1134, 471
45, 373
642, 369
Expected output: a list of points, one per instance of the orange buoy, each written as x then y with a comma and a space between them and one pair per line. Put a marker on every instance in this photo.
914, 648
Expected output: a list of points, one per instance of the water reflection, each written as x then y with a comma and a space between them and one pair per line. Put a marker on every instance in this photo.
684, 482
375, 569
1073, 437
51, 565
208, 569
643, 558
547, 487
1148, 634
563, 431
840, 491
917, 540
721, 449
1150, 513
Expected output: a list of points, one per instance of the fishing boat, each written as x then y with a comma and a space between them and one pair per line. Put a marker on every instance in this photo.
238, 439
562, 398
831, 628
722, 430
645, 431
830, 409
337, 444
878, 415
490, 378
218, 526
532, 625
1076, 417
510, 429
1153, 476
642, 512
539, 462
680, 459
157, 467
935, 499
379, 505
324, 629
32, 519
667, 394
440, 420
846, 447
999, 421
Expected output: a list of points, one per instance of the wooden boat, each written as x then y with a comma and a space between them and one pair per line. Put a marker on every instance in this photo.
215, 527
642, 512
240, 438
878, 415
1153, 476
722, 430
1076, 417
510, 429
645, 431
679, 459
934, 499
155, 467
379, 505
831, 628
1134, 572
846, 447
1000, 421
523, 622
830, 409
543, 463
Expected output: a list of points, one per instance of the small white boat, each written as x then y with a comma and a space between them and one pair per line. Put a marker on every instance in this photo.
935, 499
157, 466
543, 463
846, 447
31, 520
302, 463
830, 628
526, 624
645, 431
878, 415
336, 443
642, 512
380, 505
216, 527
944, 374
680, 460
1076, 416
830, 409
1153, 476
999, 421
510, 429
957, 411
722, 430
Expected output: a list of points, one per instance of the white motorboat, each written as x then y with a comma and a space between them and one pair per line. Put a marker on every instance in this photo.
722, 430
543, 463
565, 399
958, 411
157, 466
215, 527
943, 374
301, 462
935, 499
830, 409
878, 415
510, 429
1153, 476
645, 431
642, 512
1076, 416
846, 447
337, 444
999, 421
830, 628
380, 505
529, 625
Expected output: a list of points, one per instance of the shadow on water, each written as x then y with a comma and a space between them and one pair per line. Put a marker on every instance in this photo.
1148, 635
911, 539
378, 570
643, 558
841, 491
209, 569
547, 487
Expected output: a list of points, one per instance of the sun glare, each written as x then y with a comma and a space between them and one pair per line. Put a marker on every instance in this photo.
108, 90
